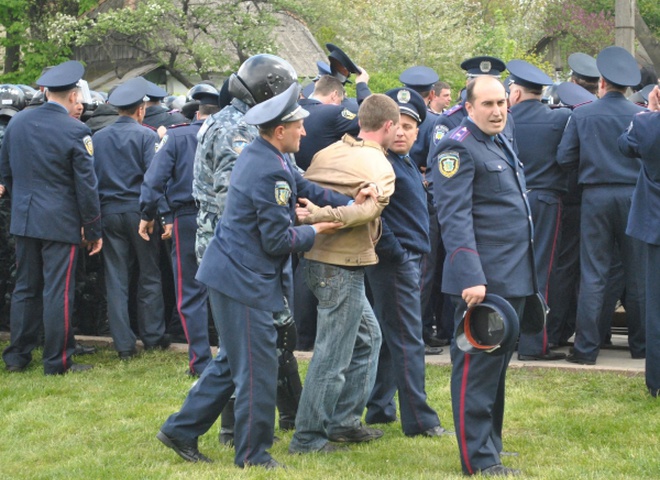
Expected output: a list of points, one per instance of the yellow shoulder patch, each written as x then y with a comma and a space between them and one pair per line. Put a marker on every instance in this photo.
347, 114
448, 163
87, 141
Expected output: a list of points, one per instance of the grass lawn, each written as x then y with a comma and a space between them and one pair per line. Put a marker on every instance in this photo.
102, 424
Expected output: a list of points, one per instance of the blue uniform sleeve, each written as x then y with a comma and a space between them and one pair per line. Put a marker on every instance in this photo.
278, 235
86, 185
388, 246
149, 151
453, 177
156, 177
628, 141
5, 169
568, 151
362, 91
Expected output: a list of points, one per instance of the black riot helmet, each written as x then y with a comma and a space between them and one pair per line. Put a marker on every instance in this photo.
12, 100
261, 77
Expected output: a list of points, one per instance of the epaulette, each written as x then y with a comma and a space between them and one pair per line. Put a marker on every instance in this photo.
453, 110
178, 125
581, 104
460, 134
150, 127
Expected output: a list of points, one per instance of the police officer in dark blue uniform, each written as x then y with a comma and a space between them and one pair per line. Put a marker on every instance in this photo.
125, 150
584, 71
608, 180
565, 277
250, 247
341, 67
328, 119
54, 194
479, 190
394, 284
538, 133
172, 170
643, 140
422, 79
157, 115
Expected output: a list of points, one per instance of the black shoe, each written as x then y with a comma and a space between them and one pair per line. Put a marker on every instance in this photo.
433, 350
226, 437
500, 470
638, 356
356, 435
436, 431
126, 356
433, 341
188, 452
579, 360
15, 369
271, 464
287, 424
83, 350
543, 357
162, 344
654, 392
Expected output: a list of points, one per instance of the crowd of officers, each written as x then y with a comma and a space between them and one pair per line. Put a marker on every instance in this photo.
521, 192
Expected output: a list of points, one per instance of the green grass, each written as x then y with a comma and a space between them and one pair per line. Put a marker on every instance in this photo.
102, 424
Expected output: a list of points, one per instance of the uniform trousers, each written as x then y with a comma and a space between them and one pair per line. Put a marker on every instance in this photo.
546, 214
248, 364
477, 399
122, 246
395, 289
342, 372
191, 295
653, 319
605, 212
44, 292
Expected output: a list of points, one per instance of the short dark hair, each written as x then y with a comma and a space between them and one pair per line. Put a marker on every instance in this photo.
130, 109
440, 86
208, 109
328, 84
589, 85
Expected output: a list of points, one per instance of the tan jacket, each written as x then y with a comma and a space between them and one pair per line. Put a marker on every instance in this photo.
346, 167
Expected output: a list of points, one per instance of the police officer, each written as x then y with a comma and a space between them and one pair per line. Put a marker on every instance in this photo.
323, 69
250, 247
608, 180
584, 71
125, 150
565, 277
156, 114
342, 67
538, 133
172, 168
54, 194
221, 139
486, 224
394, 284
642, 139
422, 80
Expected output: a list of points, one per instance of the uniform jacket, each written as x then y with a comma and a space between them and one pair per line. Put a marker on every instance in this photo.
406, 218
347, 166
643, 140
222, 138
247, 256
539, 129
325, 125
124, 151
171, 170
589, 142
48, 167
420, 149
159, 116
483, 213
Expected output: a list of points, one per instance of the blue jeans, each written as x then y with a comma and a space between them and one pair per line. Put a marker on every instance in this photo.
342, 372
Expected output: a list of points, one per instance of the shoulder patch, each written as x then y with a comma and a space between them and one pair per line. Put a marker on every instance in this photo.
238, 143
282, 192
347, 114
439, 131
162, 143
460, 134
448, 163
87, 141
453, 110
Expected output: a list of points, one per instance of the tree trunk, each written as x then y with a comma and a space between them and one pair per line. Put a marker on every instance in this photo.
647, 39
12, 56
